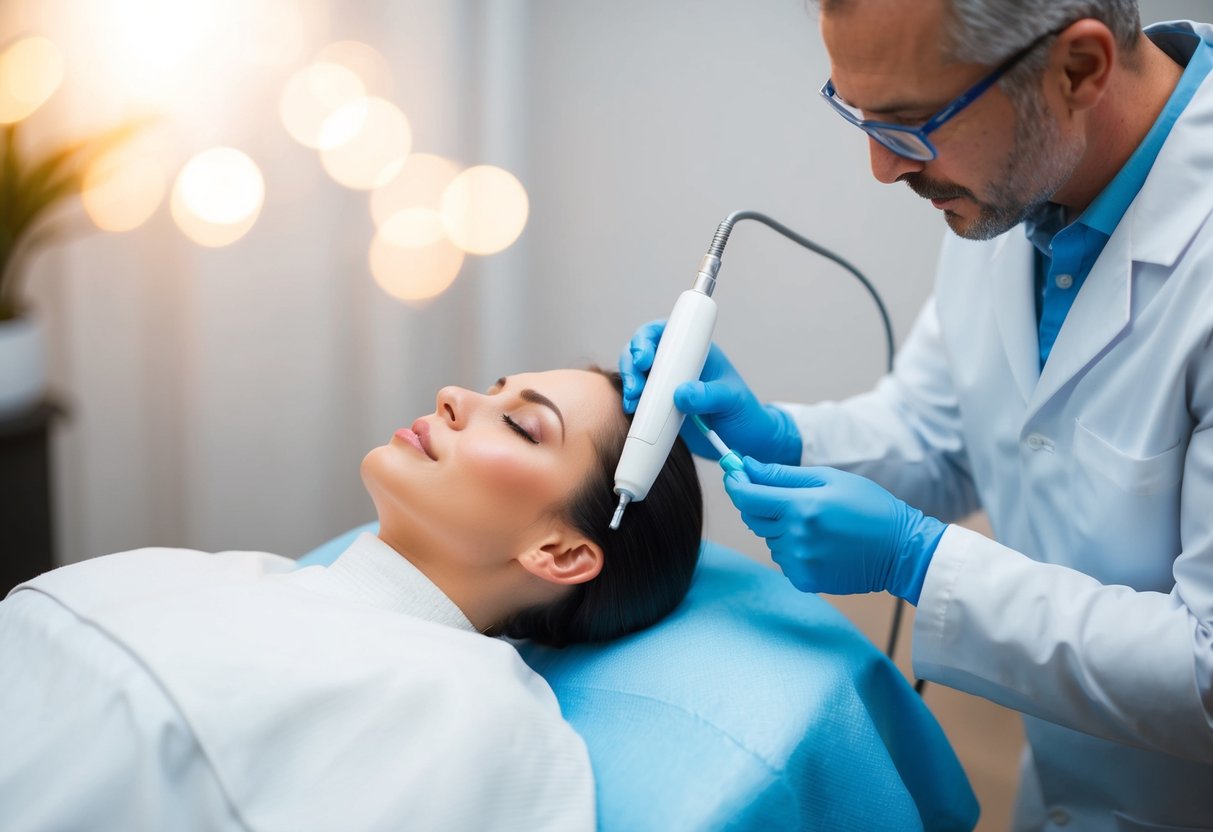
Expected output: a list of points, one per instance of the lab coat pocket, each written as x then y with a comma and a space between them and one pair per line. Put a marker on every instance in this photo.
1124, 512
1134, 475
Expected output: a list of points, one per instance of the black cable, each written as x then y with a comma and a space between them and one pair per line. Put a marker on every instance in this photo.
716, 250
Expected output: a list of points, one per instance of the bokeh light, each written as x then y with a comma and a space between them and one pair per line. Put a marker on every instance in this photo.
375, 152
123, 188
31, 69
364, 61
413, 228
217, 196
420, 184
411, 272
484, 209
313, 95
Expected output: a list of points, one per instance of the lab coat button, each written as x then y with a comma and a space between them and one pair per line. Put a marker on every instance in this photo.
1064, 281
1059, 817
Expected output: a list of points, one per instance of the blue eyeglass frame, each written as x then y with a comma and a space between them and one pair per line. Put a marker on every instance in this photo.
878, 129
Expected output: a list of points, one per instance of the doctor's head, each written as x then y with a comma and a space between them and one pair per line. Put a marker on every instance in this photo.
1031, 135
503, 499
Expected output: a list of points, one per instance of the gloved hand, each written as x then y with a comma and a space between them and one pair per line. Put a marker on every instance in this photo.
835, 532
745, 424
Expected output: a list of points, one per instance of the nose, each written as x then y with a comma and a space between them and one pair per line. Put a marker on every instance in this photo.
454, 405
887, 166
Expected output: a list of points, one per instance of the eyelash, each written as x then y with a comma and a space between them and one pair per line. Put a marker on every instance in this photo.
519, 429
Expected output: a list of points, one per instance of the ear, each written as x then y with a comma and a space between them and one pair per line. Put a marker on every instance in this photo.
1086, 55
563, 557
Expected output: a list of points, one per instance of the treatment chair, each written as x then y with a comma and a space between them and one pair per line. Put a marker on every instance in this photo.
751, 706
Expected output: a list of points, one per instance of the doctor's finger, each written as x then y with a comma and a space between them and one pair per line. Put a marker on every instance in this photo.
704, 397
786, 476
757, 501
799, 572
769, 530
643, 345
633, 381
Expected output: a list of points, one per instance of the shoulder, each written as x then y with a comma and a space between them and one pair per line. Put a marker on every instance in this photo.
154, 572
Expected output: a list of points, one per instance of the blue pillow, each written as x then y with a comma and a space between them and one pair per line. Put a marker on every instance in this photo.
752, 706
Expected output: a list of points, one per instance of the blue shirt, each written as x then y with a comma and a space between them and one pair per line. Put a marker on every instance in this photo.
1066, 253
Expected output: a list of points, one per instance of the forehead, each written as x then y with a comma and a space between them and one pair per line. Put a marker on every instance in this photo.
884, 51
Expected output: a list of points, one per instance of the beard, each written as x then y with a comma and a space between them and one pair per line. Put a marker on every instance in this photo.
1039, 163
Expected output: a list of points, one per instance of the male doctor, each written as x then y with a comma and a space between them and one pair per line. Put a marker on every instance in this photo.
1061, 378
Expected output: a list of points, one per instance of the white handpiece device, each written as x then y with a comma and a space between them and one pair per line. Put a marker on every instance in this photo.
680, 357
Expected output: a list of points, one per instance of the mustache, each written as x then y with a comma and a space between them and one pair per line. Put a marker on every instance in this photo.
928, 189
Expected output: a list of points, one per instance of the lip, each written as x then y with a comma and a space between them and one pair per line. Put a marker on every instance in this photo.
942, 204
411, 439
417, 437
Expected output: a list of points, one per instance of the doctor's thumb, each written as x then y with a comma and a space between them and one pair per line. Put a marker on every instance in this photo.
693, 397
783, 476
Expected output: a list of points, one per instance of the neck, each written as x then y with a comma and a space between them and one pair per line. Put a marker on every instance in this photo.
1119, 122
488, 591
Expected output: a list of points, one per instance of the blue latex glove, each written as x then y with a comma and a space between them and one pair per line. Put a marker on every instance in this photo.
835, 532
744, 423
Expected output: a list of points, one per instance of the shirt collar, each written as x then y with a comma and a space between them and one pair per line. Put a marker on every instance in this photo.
378, 575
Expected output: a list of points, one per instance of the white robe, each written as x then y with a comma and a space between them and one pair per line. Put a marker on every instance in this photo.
174, 689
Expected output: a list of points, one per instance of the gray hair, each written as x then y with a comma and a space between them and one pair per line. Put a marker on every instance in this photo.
989, 31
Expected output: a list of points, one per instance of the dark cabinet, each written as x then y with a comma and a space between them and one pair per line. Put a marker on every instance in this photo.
26, 545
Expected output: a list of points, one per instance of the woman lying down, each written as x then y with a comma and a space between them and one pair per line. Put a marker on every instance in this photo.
172, 689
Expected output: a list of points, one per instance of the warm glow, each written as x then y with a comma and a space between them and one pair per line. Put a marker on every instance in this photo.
217, 196
201, 65
123, 188
420, 184
413, 228
412, 272
364, 61
484, 209
275, 34
30, 71
376, 151
313, 95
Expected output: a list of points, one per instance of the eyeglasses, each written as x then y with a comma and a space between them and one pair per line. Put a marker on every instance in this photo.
912, 142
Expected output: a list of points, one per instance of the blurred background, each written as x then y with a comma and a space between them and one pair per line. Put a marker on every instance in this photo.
319, 213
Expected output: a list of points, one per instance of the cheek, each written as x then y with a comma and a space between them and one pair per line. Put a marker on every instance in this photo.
512, 476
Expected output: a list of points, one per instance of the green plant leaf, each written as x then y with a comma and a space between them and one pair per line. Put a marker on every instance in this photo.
30, 190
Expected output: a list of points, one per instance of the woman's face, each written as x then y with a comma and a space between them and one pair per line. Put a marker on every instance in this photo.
486, 474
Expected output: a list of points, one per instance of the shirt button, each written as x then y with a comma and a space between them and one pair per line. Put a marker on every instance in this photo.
1064, 281
1035, 442
1059, 817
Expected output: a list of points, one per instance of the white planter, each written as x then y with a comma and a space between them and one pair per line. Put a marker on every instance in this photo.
22, 364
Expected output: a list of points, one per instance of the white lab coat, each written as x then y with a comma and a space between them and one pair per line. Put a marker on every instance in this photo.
173, 689
1093, 614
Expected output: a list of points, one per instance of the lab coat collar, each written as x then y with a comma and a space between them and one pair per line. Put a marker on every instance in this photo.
1173, 203
1014, 308
376, 574
1177, 197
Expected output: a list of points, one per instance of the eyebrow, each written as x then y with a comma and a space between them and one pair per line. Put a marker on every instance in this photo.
899, 107
535, 397
893, 108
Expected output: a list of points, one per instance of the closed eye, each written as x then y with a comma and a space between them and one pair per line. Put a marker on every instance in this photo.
518, 429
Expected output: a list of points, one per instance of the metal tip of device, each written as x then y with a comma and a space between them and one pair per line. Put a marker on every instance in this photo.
624, 499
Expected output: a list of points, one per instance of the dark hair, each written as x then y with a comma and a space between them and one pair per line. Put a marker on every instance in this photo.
647, 562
